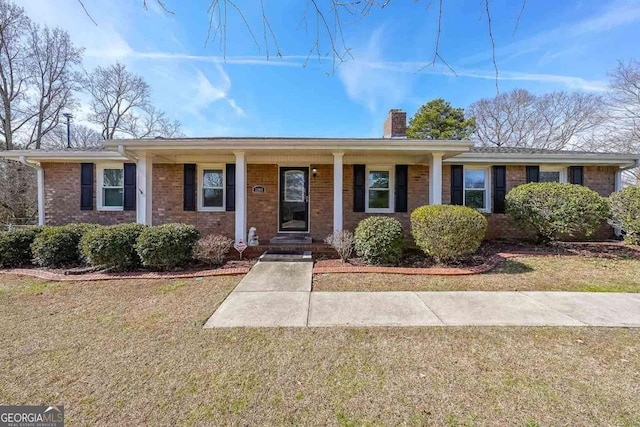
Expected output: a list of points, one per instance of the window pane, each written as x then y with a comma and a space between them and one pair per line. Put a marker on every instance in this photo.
212, 178
473, 179
549, 176
379, 179
113, 177
212, 198
378, 199
112, 197
474, 199
294, 186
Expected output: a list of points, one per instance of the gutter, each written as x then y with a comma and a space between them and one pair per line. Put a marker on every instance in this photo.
40, 173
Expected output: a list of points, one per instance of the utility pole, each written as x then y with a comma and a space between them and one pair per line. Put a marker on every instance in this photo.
69, 117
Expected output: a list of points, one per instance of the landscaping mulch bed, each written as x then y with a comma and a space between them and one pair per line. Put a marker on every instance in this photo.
489, 255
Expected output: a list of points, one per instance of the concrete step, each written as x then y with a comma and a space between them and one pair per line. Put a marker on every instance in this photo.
286, 256
291, 239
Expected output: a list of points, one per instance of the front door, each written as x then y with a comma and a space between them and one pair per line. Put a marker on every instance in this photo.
294, 199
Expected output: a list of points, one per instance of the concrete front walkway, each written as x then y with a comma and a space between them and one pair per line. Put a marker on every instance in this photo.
279, 294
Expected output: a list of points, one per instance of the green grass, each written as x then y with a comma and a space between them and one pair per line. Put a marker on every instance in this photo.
133, 354
535, 273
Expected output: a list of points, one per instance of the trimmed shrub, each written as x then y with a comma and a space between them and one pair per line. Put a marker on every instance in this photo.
448, 233
113, 246
553, 210
59, 246
167, 246
15, 246
379, 240
211, 249
342, 241
625, 213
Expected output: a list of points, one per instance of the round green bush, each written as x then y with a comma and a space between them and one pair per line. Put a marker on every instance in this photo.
59, 246
625, 213
448, 233
113, 246
15, 246
380, 240
553, 210
167, 246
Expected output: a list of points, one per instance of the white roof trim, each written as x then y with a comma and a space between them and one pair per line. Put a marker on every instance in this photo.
381, 144
63, 155
552, 158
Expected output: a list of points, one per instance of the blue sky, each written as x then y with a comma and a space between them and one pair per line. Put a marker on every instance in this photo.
557, 46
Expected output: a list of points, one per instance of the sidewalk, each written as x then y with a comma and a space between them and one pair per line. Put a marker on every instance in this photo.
279, 294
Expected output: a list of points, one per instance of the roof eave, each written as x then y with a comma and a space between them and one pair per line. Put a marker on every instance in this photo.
59, 156
622, 160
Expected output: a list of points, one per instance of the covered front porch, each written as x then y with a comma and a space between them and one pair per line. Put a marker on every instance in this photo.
290, 186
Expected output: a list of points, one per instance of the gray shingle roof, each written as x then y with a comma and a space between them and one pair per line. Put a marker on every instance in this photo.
523, 150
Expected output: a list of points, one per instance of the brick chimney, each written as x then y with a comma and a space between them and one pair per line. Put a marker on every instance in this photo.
396, 124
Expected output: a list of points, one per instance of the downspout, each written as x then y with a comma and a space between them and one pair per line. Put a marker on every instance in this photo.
620, 171
40, 173
124, 153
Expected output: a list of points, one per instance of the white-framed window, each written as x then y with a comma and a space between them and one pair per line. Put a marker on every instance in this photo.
552, 174
477, 189
211, 187
379, 194
110, 194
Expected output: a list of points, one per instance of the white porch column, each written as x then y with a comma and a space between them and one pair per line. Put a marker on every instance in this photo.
40, 195
144, 184
241, 197
435, 179
337, 191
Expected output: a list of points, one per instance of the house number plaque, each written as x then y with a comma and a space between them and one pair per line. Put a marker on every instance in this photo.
259, 189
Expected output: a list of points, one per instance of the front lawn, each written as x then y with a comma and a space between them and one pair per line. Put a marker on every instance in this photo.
530, 273
134, 352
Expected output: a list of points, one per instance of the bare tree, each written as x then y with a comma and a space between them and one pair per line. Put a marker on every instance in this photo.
624, 102
81, 136
324, 20
116, 95
36, 77
121, 105
551, 121
153, 122
14, 113
18, 200
52, 58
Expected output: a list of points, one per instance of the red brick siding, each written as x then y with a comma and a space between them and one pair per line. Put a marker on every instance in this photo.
418, 195
62, 198
321, 195
262, 208
601, 179
168, 204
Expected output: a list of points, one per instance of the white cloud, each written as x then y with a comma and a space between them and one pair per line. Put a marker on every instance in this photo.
371, 85
195, 90
616, 14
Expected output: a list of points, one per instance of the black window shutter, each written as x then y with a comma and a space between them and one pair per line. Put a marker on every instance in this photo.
402, 187
533, 174
86, 186
576, 175
457, 185
189, 184
359, 172
231, 187
499, 188
129, 186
